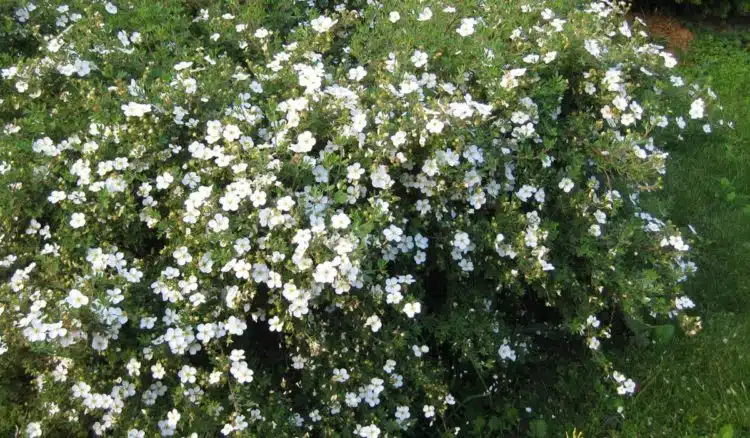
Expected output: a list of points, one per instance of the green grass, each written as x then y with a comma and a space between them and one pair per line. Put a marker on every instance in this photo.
695, 386
720, 211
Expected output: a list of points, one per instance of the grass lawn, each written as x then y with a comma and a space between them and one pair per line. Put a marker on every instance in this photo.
697, 386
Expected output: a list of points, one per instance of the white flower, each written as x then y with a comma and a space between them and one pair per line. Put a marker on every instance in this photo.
182, 256
187, 374
506, 352
325, 273
241, 372
683, 302
99, 343
56, 196
285, 204
357, 74
9, 73
322, 24
34, 430
627, 119
593, 321
669, 59
593, 47
434, 126
419, 58
183, 65
566, 185
235, 326
111, 8
237, 355
374, 323
595, 230
697, 109
305, 143
389, 366
393, 233
394, 16
402, 413
626, 386
340, 375
398, 138
425, 15
298, 362
394, 296
275, 324
158, 371
133, 109
340, 221
354, 172
173, 417
467, 27
411, 309
76, 299
525, 192
429, 411
231, 132
371, 431
219, 223
625, 29
380, 178
461, 241
77, 220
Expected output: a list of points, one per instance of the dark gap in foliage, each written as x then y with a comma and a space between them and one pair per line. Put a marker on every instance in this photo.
729, 11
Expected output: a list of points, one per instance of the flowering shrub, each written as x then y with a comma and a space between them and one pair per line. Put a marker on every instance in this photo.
311, 222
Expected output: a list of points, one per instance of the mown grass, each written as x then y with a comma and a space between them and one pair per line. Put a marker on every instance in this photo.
698, 386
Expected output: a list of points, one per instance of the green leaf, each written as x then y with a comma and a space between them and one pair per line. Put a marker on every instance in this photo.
365, 228
496, 423
641, 331
538, 428
340, 197
651, 275
636, 326
726, 432
662, 334
479, 424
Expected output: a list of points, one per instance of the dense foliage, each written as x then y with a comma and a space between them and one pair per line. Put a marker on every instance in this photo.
363, 219
706, 8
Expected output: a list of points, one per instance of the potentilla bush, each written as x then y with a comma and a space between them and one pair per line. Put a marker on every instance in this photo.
351, 220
